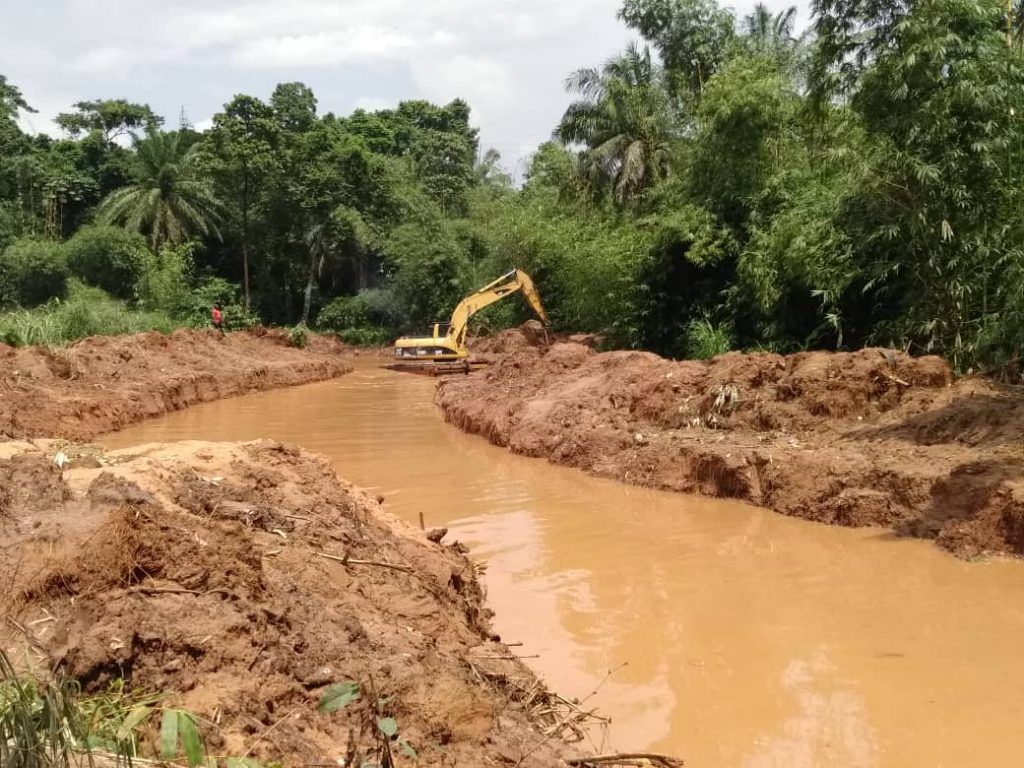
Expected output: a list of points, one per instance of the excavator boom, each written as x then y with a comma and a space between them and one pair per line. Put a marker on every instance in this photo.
448, 343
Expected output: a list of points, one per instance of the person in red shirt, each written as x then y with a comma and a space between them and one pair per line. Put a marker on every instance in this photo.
218, 318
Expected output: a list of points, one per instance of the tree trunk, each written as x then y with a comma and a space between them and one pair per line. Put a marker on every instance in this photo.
245, 270
245, 235
308, 296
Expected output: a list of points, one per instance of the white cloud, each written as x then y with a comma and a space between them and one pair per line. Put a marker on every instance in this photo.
108, 59
354, 45
507, 58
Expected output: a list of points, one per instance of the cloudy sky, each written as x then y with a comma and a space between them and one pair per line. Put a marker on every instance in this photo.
507, 58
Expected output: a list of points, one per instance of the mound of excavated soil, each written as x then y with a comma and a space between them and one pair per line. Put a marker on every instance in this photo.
867, 438
244, 580
104, 383
531, 334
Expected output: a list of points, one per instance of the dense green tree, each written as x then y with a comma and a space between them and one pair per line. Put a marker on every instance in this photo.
938, 91
692, 36
32, 271
624, 120
294, 107
110, 118
169, 202
110, 258
240, 154
768, 30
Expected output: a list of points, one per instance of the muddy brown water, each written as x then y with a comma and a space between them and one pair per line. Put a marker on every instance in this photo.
734, 636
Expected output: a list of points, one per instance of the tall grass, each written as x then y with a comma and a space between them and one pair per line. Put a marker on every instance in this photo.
86, 312
706, 339
50, 724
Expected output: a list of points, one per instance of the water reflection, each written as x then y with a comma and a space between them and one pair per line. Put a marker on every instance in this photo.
748, 639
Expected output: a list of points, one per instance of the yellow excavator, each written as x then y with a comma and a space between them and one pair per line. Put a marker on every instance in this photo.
444, 351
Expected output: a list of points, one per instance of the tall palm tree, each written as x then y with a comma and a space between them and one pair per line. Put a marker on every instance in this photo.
623, 119
168, 203
768, 30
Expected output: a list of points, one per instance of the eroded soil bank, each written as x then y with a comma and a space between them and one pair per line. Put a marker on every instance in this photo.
245, 579
866, 438
105, 383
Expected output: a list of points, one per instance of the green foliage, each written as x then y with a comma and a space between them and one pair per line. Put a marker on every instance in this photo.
48, 723
107, 257
298, 336
169, 203
740, 187
32, 272
338, 696
343, 312
86, 312
429, 268
209, 291
371, 310
164, 282
109, 117
178, 727
692, 36
743, 125
624, 120
705, 339
366, 337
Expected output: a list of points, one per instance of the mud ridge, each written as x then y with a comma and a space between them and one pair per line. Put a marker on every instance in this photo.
873, 437
102, 384
245, 579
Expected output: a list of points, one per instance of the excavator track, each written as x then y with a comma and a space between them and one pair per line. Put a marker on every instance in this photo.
437, 368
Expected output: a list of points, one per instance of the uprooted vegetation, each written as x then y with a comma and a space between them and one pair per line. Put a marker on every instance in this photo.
873, 437
260, 600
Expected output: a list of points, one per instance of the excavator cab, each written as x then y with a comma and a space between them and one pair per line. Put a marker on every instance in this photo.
444, 350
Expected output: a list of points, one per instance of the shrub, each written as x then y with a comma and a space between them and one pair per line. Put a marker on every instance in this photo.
343, 312
165, 281
87, 312
238, 318
705, 339
298, 336
110, 258
366, 337
375, 310
32, 272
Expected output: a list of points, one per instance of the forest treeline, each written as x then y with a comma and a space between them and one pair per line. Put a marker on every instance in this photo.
723, 183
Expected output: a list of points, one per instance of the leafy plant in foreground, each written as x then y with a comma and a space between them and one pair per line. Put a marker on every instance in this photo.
383, 726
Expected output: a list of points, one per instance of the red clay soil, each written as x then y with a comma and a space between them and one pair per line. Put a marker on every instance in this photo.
866, 438
105, 383
203, 570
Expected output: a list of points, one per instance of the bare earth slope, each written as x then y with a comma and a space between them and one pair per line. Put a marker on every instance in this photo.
867, 438
202, 570
104, 383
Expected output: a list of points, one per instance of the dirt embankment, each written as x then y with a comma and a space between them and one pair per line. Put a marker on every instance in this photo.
105, 383
867, 438
246, 579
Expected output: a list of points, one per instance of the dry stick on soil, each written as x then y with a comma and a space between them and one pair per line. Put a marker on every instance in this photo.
179, 591
507, 658
664, 761
268, 731
574, 715
378, 563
